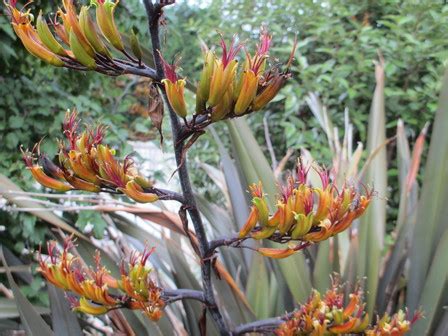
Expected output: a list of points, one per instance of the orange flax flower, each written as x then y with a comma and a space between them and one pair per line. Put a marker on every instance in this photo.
135, 290
21, 23
78, 31
224, 71
251, 76
105, 18
85, 163
174, 88
136, 283
327, 315
40, 175
304, 212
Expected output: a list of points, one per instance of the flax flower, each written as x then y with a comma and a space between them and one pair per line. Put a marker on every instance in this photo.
304, 212
94, 291
85, 163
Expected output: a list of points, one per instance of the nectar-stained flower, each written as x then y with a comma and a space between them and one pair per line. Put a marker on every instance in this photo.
96, 290
327, 315
303, 212
85, 163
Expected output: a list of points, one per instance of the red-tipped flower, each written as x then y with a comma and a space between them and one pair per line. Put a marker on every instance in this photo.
174, 88
85, 163
93, 285
306, 213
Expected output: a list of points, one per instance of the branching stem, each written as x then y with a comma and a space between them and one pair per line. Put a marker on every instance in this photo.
154, 12
174, 295
262, 326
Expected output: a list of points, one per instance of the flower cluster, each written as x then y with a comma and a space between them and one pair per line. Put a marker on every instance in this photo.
77, 42
327, 315
97, 289
305, 213
396, 325
221, 91
85, 163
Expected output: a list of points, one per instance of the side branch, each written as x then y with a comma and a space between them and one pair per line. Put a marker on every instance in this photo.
167, 195
173, 295
230, 241
262, 326
236, 241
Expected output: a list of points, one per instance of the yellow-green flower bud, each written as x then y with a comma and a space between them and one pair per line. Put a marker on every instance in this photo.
47, 37
81, 55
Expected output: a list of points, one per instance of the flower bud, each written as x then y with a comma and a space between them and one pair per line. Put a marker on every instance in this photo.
47, 37
40, 176
325, 232
80, 184
80, 168
275, 253
247, 92
175, 93
89, 30
264, 233
268, 93
134, 191
81, 55
48, 181
302, 226
288, 216
143, 182
263, 211
72, 19
221, 79
105, 19
203, 90
30, 39
224, 107
135, 46
89, 307
250, 223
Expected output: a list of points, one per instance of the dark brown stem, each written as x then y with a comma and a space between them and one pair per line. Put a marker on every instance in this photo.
173, 295
231, 241
235, 241
266, 326
154, 12
167, 195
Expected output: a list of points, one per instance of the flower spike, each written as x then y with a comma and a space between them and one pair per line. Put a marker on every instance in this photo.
223, 93
327, 315
93, 285
304, 213
89, 43
85, 163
